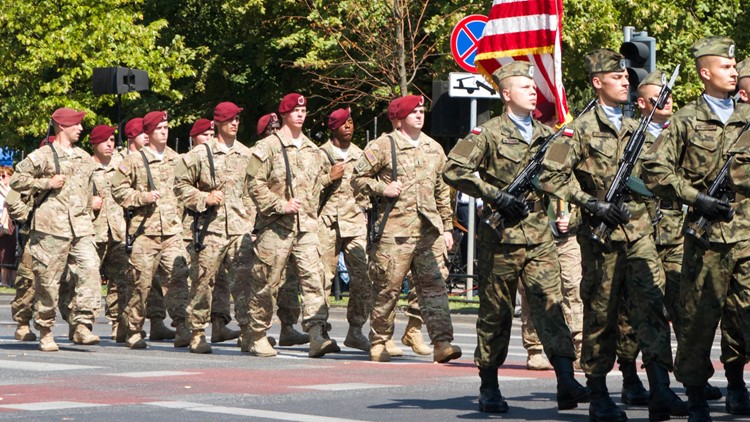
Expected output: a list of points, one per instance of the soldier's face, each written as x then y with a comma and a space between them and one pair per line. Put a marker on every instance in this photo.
159, 135
139, 141
73, 132
104, 149
415, 119
648, 92
204, 137
719, 73
228, 129
296, 118
345, 131
520, 94
612, 87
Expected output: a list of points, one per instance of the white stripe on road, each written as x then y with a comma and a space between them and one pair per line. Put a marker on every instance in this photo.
253, 413
155, 374
51, 405
344, 386
20, 365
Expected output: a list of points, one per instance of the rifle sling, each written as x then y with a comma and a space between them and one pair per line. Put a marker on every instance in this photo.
151, 187
204, 229
288, 171
329, 190
391, 201
47, 193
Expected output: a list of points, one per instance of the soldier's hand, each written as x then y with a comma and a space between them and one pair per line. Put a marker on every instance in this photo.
393, 190
337, 171
216, 197
96, 203
292, 206
712, 208
448, 237
152, 197
56, 182
563, 223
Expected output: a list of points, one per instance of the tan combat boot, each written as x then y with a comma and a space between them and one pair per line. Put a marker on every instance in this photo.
413, 337
259, 345
291, 337
536, 361
83, 335
444, 351
182, 336
46, 341
244, 341
320, 345
24, 333
135, 340
198, 342
392, 349
159, 331
356, 340
379, 353
220, 332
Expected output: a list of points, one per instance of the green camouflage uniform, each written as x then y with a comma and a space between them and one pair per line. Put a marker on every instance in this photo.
160, 247
526, 252
413, 236
62, 233
580, 166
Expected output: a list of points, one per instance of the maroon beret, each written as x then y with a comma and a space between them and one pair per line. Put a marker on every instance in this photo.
133, 127
67, 116
152, 120
338, 118
392, 109
46, 141
266, 120
100, 134
226, 111
200, 126
290, 101
406, 105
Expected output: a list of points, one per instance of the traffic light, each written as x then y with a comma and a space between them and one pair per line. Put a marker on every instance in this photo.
640, 58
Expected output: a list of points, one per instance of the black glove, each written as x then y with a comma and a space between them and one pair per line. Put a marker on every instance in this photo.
611, 214
712, 208
510, 207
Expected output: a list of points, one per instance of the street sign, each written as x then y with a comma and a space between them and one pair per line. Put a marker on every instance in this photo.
470, 85
465, 40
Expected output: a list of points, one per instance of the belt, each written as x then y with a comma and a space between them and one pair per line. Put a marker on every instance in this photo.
669, 205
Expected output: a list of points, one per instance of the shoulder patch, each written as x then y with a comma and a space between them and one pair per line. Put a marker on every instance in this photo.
370, 157
463, 148
124, 169
558, 152
568, 132
477, 130
260, 152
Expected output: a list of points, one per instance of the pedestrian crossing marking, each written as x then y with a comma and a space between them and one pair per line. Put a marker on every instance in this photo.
154, 374
252, 413
50, 405
343, 386
21, 365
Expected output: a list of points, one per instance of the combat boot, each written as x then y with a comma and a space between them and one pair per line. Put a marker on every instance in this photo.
198, 342
662, 401
444, 352
569, 391
83, 335
24, 333
578, 345
259, 345
120, 330
291, 337
393, 350
490, 398
71, 331
356, 340
319, 345
159, 331
135, 340
712, 393
46, 341
379, 353
182, 335
220, 332
413, 337
602, 408
698, 405
633, 391
244, 339
536, 361
738, 400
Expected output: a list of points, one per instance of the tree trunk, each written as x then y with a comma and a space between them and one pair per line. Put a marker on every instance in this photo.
400, 47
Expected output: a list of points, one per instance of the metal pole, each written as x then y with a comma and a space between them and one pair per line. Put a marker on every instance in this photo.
375, 128
472, 218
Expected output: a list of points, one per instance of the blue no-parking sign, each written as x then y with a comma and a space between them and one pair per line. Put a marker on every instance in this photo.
465, 40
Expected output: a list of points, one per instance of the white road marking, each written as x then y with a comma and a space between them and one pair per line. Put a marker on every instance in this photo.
154, 374
253, 413
50, 405
344, 386
21, 365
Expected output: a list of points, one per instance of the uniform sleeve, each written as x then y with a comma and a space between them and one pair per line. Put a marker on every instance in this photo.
556, 178
443, 196
325, 177
123, 182
256, 183
659, 170
739, 169
187, 175
365, 169
27, 179
463, 161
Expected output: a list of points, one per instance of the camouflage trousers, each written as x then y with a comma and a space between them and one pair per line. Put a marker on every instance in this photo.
569, 254
288, 309
116, 299
425, 257
355, 256
50, 257
715, 285
500, 268
220, 252
166, 255
115, 268
22, 306
275, 247
630, 276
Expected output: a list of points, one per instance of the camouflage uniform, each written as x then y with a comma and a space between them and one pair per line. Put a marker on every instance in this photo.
526, 252
413, 237
23, 303
62, 233
160, 246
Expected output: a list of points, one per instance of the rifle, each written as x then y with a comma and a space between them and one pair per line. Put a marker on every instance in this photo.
719, 189
26, 227
619, 189
129, 213
328, 191
199, 232
524, 181
375, 232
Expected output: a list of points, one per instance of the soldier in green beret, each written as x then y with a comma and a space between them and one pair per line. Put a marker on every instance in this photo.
579, 168
680, 166
526, 252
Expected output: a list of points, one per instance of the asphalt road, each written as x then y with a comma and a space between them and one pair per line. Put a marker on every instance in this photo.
110, 382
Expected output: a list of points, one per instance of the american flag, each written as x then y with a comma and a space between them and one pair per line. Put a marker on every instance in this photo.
529, 30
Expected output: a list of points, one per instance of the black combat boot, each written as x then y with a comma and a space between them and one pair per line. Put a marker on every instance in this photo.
602, 408
662, 402
490, 399
633, 392
569, 391
712, 393
738, 400
698, 404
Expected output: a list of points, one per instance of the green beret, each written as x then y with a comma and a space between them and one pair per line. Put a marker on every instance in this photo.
713, 46
515, 68
657, 78
604, 60
743, 69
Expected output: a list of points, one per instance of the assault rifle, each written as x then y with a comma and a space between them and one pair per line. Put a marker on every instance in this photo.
720, 189
129, 212
619, 190
523, 183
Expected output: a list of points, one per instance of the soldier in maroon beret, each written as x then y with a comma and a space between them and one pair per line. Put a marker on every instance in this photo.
268, 125
201, 132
